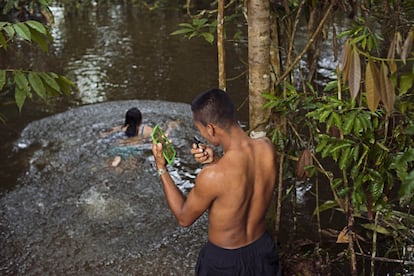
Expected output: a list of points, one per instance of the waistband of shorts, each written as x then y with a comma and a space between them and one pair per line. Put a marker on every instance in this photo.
263, 240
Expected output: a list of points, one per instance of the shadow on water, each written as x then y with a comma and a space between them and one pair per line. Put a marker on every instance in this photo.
72, 212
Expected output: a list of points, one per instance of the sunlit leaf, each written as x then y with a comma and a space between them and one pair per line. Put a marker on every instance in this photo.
344, 159
331, 86
327, 205
20, 80
208, 37
376, 228
37, 84
37, 26
22, 30
50, 81
182, 31
10, 31
354, 74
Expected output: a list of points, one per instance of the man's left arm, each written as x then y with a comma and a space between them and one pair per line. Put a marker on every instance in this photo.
186, 210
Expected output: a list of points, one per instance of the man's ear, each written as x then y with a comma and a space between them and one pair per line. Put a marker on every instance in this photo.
211, 130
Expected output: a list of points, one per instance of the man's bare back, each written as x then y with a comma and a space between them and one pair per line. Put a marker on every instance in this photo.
243, 180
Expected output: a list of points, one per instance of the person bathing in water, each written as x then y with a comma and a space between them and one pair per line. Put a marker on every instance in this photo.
133, 126
135, 131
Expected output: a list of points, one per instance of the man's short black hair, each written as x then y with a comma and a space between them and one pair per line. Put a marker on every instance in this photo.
214, 106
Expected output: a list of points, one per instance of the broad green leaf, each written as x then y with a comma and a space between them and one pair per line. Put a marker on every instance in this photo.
51, 91
37, 84
326, 151
322, 143
2, 79
182, 31
186, 25
10, 31
208, 37
355, 152
327, 205
199, 22
357, 129
371, 85
376, 189
20, 95
325, 114
343, 191
65, 85
20, 80
344, 159
36, 26
376, 228
349, 122
50, 80
406, 82
331, 86
23, 31
40, 39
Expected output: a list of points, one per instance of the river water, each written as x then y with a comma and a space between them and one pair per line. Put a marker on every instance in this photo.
64, 208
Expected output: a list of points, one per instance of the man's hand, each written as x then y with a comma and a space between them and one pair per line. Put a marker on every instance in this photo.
202, 154
160, 161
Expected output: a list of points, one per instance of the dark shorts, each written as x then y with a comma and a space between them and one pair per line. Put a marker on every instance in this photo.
258, 258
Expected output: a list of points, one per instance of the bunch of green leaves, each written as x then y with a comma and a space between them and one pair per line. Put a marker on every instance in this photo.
199, 27
26, 82
29, 31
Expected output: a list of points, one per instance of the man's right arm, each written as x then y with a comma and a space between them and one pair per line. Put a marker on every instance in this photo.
203, 154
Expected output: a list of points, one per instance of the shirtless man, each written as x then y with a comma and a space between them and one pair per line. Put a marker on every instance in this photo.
236, 189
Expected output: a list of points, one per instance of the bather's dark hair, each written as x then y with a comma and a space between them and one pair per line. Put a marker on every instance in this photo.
133, 118
214, 106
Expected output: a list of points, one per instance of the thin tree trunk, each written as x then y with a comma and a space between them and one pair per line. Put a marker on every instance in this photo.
220, 46
258, 18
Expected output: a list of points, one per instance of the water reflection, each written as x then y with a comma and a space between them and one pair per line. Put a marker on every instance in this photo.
74, 213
